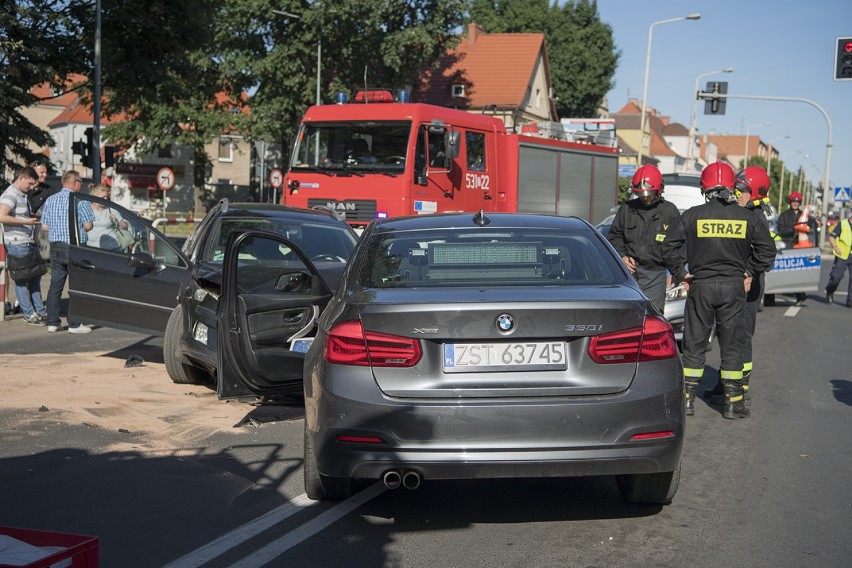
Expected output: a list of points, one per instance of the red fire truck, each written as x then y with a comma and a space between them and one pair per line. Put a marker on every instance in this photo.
378, 158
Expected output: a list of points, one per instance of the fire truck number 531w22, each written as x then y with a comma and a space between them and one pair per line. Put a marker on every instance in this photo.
387, 158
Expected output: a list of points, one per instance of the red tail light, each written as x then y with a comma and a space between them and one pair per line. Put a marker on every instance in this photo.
652, 342
348, 344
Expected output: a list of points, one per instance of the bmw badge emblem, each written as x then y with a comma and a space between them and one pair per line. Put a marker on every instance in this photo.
505, 324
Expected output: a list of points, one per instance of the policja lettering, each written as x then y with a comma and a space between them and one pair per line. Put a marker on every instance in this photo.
721, 228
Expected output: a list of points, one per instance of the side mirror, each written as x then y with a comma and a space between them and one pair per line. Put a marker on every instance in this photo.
451, 143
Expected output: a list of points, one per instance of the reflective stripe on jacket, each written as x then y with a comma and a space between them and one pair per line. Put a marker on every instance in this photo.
844, 241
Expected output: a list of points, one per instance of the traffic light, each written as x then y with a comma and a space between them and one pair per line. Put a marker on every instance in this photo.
843, 59
109, 156
91, 153
715, 104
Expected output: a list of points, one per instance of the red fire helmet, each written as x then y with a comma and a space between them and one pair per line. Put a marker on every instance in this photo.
717, 175
754, 180
646, 180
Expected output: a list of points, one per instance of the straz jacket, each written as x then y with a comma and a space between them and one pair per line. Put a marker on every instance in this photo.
723, 241
638, 231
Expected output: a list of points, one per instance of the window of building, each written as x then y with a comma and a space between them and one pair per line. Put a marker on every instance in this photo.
457, 90
226, 150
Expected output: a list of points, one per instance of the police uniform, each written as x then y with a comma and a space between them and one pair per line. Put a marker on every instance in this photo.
638, 231
724, 242
842, 233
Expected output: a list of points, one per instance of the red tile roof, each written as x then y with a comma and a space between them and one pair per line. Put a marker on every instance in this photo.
496, 69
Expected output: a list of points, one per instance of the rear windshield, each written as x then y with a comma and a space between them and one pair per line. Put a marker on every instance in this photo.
476, 258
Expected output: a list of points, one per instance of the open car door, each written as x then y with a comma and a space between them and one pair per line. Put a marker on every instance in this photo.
124, 274
272, 295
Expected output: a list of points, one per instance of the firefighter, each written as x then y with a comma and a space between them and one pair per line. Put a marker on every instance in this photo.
787, 222
751, 188
725, 246
638, 230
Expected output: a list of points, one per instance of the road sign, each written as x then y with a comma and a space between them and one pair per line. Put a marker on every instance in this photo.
626, 170
165, 179
842, 194
276, 178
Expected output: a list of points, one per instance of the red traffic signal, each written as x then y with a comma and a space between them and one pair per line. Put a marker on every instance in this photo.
843, 59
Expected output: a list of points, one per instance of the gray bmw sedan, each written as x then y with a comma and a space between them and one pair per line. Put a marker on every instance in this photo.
466, 346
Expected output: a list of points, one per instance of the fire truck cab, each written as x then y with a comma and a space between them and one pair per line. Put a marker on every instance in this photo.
377, 158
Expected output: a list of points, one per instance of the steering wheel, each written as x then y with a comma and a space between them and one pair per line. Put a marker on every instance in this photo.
327, 258
395, 160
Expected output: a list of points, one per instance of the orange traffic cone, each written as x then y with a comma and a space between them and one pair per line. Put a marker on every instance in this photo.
802, 228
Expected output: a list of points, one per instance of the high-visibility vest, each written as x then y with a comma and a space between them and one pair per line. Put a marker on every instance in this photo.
844, 241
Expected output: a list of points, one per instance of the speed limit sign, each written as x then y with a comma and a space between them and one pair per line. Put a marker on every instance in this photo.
276, 178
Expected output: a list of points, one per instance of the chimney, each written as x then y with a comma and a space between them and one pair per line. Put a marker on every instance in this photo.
473, 31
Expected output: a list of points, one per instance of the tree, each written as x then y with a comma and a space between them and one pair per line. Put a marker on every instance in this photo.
39, 43
163, 74
580, 47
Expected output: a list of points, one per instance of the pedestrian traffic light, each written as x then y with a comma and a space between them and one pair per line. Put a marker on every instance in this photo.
843, 59
713, 103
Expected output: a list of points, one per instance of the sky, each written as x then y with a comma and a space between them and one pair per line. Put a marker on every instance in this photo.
780, 48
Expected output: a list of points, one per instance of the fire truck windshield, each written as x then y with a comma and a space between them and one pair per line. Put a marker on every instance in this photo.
366, 147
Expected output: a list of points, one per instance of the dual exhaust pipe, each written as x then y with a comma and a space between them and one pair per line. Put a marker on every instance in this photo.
393, 478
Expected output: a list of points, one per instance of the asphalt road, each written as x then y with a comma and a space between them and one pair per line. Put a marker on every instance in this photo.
769, 491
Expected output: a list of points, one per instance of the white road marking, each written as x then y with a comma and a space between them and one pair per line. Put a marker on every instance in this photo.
236, 537
226, 542
792, 311
276, 548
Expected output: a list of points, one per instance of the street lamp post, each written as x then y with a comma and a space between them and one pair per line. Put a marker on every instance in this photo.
693, 117
319, 50
748, 129
783, 168
647, 66
769, 157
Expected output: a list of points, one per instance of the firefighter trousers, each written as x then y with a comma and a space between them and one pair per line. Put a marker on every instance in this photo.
709, 302
745, 332
653, 284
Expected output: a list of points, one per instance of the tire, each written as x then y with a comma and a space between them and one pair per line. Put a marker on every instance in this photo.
769, 300
177, 367
321, 487
649, 488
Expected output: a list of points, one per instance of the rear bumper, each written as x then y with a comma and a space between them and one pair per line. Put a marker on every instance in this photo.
547, 437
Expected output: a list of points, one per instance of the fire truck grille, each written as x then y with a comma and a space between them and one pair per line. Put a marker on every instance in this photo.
351, 209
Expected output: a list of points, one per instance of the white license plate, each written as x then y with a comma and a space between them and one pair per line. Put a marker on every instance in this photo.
528, 356
301, 345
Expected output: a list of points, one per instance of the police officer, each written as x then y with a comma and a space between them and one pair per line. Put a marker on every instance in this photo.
726, 246
751, 188
840, 240
638, 230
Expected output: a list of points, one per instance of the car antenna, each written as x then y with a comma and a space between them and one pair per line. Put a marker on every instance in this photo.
481, 218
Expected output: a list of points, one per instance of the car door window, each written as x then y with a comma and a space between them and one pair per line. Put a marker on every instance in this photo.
268, 266
119, 231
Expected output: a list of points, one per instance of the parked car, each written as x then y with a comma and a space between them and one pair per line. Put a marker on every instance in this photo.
289, 267
466, 346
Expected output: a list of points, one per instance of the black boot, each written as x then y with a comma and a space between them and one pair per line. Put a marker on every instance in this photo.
746, 392
691, 389
734, 405
716, 394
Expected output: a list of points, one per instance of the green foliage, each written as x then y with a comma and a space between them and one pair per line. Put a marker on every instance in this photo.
580, 47
37, 45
